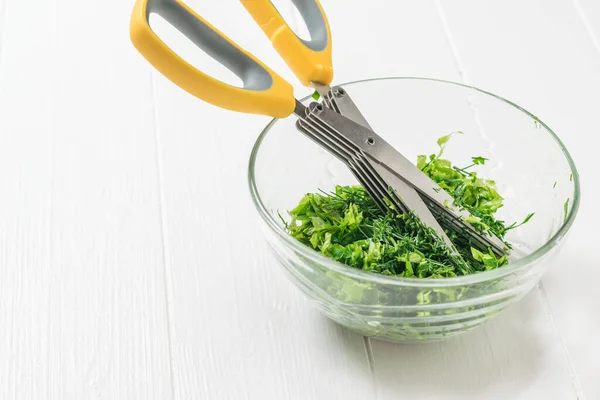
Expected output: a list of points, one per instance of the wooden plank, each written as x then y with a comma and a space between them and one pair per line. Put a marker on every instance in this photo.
81, 283
240, 330
108, 321
586, 364
25, 212
539, 55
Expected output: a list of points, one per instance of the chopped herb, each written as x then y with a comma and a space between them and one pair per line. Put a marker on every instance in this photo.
316, 95
571, 178
348, 226
476, 195
554, 185
444, 139
479, 160
514, 225
566, 208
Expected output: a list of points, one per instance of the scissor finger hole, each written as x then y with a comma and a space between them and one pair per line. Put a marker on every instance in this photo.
189, 51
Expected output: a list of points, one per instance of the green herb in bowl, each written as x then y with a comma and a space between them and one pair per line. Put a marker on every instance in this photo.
348, 226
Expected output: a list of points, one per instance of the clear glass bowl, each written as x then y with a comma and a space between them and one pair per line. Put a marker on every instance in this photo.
532, 169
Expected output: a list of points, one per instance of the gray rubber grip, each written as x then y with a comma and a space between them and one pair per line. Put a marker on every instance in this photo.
315, 22
252, 74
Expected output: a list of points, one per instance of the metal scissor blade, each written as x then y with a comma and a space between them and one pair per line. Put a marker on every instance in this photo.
344, 105
411, 199
382, 153
335, 143
340, 101
360, 170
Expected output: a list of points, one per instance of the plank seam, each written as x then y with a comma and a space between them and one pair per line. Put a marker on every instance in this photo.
453, 48
51, 255
563, 346
166, 270
460, 68
371, 364
586, 24
3, 18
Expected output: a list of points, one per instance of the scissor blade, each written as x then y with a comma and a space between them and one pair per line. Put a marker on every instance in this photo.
346, 107
361, 169
343, 104
382, 153
338, 100
411, 199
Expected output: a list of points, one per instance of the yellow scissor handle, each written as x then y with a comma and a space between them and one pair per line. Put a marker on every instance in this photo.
264, 92
310, 60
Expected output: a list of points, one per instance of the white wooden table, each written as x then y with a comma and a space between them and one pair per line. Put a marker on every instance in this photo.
118, 275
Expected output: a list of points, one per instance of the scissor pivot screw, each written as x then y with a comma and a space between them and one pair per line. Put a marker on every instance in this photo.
339, 92
370, 141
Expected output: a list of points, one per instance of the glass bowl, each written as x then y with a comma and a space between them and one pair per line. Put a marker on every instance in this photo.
532, 169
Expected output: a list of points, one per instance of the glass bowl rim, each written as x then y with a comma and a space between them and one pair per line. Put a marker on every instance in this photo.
336, 266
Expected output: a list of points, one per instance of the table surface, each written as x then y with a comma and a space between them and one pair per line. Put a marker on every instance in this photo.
118, 277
